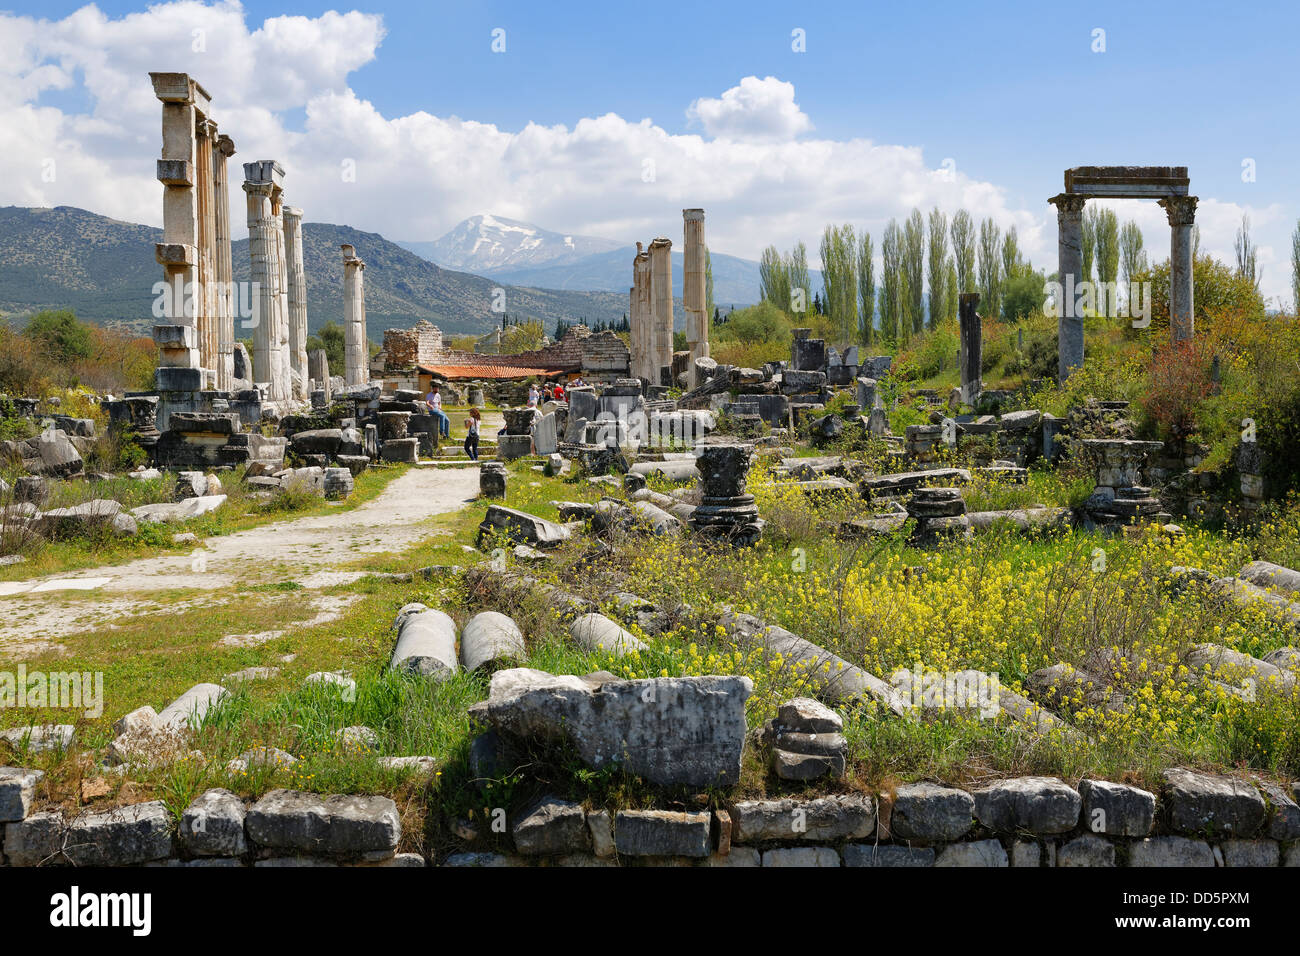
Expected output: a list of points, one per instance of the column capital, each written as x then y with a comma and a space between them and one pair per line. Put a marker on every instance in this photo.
662, 242
1068, 204
693, 215
1180, 210
226, 145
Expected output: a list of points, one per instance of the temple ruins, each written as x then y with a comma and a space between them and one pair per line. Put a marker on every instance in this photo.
1166, 184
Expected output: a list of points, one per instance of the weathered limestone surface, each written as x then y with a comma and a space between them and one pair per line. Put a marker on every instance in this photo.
1036, 804
931, 813
669, 730
17, 790
213, 824
693, 292
822, 820
1218, 806
264, 188
426, 642
297, 295
1117, 809
551, 826
662, 833
490, 636
356, 352
661, 301
1069, 258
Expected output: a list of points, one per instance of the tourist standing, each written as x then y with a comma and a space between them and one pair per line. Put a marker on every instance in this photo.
471, 434
533, 396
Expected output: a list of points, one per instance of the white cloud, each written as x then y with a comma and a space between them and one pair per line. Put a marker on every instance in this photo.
753, 165
756, 110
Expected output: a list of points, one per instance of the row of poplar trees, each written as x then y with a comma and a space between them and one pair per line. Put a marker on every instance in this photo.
924, 263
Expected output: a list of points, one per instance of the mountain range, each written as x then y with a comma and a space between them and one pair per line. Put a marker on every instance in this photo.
528, 255
104, 269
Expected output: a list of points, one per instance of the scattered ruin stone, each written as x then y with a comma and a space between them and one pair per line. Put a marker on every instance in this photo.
178, 511
1200, 803
1170, 851
17, 791
426, 642
1036, 804
669, 730
120, 837
931, 813
490, 637
551, 826
662, 833
595, 632
884, 854
213, 825
40, 738
1117, 809
521, 526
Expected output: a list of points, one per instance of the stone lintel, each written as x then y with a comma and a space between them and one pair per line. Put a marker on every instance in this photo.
180, 88
1127, 182
175, 254
175, 172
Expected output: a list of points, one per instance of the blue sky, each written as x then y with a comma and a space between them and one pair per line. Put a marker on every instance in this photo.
1011, 93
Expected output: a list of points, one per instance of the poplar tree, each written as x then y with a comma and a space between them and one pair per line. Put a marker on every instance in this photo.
937, 267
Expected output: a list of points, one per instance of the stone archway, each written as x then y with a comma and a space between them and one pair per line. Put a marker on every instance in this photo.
1165, 184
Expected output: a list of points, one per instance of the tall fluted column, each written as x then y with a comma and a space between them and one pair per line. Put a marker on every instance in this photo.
693, 294
644, 356
661, 297
223, 149
264, 186
1181, 212
356, 352
1069, 257
297, 303
205, 132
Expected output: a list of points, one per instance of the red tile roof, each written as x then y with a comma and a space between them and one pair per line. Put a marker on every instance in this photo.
487, 371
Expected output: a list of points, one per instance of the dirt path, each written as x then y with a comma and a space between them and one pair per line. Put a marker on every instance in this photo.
306, 550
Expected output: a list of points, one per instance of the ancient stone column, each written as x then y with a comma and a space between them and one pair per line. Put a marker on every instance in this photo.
264, 187
1181, 212
356, 354
726, 510
320, 372
693, 291
661, 298
299, 374
206, 297
223, 149
184, 102
645, 356
972, 347
1069, 257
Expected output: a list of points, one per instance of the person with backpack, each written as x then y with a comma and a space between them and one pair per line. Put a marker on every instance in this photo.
471, 434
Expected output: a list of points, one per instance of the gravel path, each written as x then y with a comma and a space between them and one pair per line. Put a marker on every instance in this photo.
306, 550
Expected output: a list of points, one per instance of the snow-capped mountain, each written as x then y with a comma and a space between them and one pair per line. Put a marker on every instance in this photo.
488, 244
